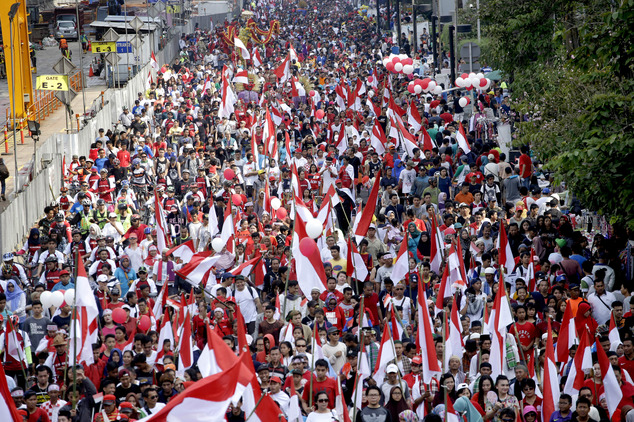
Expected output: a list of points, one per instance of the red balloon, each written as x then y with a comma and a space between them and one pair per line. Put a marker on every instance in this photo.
370, 79
464, 75
236, 199
390, 66
425, 83
144, 323
483, 82
468, 101
307, 246
119, 316
229, 174
281, 213
469, 88
319, 114
311, 93
396, 60
407, 61
410, 88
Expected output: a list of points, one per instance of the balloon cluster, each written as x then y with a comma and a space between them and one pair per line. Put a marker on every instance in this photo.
424, 85
464, 101
473, 80
399, 64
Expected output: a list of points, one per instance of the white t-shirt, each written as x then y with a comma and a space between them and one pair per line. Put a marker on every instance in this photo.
246, 301
248, 168
407, 177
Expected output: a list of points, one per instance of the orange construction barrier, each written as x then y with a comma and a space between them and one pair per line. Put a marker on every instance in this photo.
6, 139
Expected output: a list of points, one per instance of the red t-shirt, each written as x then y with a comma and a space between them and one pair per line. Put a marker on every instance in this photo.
328, 385
627, 365
371, 304
527, 332
525, 161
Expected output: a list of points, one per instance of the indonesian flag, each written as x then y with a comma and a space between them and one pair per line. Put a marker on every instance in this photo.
342, 141
387, 301
276, 115
184, 251
530, 274
206, 86
567, 336
269, 137
162, 241
166, 333
257, 60
613, 393
368, 212
430, 366
454, 345
246, 267
401, 265
499, 319
428, 144
363, 372
397, 328
307, 258
581, 363
212, 226
444, 291
551, 381
294, 411
203, 401
8, 411
450, 412
153, 62
356, 266
161, 300
436, 247
377, 138
613, 334
239, 44
386, 355
457, 272
462, 140
413, 117
86, 329
297, 88
185, 349
228, 97
195, 271
242, 77
407, 139
505, 255
283, 71
12, 343
340, 404
216, 356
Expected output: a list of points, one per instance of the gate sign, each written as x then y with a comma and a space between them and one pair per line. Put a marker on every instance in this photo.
103, 47
52, 82
124, 47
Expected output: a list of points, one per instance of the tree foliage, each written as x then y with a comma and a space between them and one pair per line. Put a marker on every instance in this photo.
573, 84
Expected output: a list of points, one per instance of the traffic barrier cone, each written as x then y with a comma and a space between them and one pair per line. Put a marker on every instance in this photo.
90, 72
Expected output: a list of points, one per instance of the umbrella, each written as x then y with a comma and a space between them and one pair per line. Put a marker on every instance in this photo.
496, 75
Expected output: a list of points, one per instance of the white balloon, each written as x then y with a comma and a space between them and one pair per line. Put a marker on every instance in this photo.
438, 90
276, 203
472, 75
398, 66
370, 93
385, 61
408, 69
431, 86
57, 298
459, 82
217, 244
488, 84
418, 89
466, 83
480, 75
45, 298
463, 102
402, 56
314, 228
69, 296
475, 82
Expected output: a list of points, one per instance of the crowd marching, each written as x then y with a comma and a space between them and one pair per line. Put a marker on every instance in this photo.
282, 227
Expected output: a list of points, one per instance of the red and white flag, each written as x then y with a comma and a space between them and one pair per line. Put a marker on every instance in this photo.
462, 140
183, 251
430, 365
613, 334
166, 333
213, 225
457, 272
427, 143
401, 265
86, 330
194, 272
8, 411
499, 319
377, 138
206, 86
203, 401
257, 60
613, 393
363, 372
240, 45
242, 77
283, 71
294, 410
413, 117
216, 356
436, 247
308, 261
386, 355
551, 380
228, 98
567, 336
505, 255
185, 347
246, 267
356, 265
580, 364
454, 345
368, 212
153, 62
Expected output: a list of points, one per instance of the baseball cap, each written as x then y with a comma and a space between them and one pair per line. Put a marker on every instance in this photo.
417, 360
276, 379
489, 270
109, 398
102, 278
391, 369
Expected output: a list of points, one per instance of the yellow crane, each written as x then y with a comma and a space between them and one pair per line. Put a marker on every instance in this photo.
21, 53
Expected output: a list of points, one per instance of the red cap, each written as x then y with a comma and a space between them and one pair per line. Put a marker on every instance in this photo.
417, 360
276, 379
126, 405
109, 397
338, 181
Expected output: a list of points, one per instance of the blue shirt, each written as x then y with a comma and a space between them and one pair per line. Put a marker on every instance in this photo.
557, 417
60, 286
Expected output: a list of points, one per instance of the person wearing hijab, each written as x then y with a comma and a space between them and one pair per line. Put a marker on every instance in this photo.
125, 274
584, 320
396, 403
32, 244
407, 416
16, 299
413, 239
468, 411
116, 357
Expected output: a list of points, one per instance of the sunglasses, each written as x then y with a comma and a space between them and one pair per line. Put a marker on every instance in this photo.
322, 401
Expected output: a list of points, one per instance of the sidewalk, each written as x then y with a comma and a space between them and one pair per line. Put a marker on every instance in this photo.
54, 123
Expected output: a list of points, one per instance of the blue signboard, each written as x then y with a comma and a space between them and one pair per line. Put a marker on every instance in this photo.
124, 47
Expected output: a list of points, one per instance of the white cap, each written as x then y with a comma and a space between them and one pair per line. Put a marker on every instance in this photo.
101, 278
489, 270
391, 369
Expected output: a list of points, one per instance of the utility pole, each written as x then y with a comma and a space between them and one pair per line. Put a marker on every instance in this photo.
12, 12
81, 57
415, 40
398, 24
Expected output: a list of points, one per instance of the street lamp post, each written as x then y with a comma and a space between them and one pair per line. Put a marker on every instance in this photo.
12, 12
81, 57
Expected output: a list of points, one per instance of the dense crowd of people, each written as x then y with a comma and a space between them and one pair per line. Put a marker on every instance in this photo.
219, 161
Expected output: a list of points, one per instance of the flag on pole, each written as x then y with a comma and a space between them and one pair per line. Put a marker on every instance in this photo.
386, 355
87, 327
240, 45
462, 140
8, 411
613, 393
154, 62
430, 365
401, 265
505, 254
567, 336
551, 380
581, 363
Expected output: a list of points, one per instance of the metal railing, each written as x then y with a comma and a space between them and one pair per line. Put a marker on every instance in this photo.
46, 103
